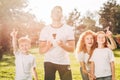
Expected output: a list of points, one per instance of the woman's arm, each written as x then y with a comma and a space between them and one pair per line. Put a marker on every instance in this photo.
82, 64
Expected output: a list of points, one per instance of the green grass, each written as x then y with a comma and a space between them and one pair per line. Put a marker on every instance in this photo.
7, 66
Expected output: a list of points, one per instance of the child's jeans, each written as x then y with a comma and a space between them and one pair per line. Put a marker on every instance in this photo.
105, 78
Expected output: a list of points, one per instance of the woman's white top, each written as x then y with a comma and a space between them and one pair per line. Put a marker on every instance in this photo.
84, 57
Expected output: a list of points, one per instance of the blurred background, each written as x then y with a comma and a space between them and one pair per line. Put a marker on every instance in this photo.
30, 16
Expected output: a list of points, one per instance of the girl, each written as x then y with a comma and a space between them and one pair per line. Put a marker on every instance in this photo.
85, 46
102, 60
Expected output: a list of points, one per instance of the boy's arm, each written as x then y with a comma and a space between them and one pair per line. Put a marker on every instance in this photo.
113, 70
14, 40
35, 74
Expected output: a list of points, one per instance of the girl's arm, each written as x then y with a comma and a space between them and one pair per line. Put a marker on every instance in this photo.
35, 74
112, 44
14, 40
92, 68
113, 70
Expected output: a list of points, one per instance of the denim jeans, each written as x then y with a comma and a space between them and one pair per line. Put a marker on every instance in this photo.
84, 76
105, 78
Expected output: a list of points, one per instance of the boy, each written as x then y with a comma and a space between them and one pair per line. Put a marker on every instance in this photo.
24, 61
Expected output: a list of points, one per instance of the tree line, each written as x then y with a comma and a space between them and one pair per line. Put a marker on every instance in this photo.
12, 15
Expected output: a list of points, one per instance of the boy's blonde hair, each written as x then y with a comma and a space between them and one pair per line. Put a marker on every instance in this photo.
24, 39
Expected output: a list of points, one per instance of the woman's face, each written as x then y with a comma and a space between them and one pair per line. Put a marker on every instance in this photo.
89, 40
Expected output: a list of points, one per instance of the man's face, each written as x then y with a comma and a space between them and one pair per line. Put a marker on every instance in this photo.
56, 14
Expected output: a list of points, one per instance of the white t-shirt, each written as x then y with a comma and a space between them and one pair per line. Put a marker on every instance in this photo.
84, 57
24, 64
56, 54
102, 59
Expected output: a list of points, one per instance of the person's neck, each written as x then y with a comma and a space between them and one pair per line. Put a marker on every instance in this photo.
25, 52
56, 24
101, 46
88, 49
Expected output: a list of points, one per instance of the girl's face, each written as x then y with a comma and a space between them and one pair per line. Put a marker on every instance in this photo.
89, 40
24, 46
101, 38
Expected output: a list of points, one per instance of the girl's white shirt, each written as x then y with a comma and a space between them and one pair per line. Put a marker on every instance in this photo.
102, 59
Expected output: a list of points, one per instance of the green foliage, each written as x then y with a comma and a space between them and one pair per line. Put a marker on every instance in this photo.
110, 16
7, 67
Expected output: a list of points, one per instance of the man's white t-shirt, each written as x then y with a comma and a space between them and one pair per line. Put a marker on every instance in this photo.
56, 54
84, 57
24, 64
102, 59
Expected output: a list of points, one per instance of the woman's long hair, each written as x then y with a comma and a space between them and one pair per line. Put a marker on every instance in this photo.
81, 47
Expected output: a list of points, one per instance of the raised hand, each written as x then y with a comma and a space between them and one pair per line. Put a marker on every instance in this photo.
108, 32
14, 33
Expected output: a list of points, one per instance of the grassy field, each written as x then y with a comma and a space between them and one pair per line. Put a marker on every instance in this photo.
7, 66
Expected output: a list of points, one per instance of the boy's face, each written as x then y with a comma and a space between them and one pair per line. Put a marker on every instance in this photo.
24, 46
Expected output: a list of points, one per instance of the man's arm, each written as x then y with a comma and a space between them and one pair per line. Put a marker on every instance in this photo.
68, 46
44, 46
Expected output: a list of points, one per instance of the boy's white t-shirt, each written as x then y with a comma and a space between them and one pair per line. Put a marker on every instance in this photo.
102, 59
24, 64
56, 54
84, 57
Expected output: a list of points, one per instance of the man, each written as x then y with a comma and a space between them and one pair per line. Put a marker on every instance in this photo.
56, 40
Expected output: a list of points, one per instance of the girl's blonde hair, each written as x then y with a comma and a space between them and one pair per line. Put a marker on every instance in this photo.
81, 47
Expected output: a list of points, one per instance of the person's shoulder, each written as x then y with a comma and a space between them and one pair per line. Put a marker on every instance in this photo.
46, 27
68, 26
108, 49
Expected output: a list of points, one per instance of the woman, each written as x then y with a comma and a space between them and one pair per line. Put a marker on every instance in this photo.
85, 46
